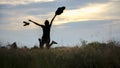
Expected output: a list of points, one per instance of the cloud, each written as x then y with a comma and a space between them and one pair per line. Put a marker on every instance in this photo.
93, 11
113, 25
14, 15
16, 23
16, 2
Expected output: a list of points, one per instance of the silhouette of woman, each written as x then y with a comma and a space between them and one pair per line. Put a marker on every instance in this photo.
46, 28
46, 33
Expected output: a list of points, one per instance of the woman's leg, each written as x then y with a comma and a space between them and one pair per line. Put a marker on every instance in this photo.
48, 43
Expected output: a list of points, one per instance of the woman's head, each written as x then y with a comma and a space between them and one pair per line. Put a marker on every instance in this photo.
46, 22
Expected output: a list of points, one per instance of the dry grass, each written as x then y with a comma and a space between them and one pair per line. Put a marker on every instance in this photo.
91, 55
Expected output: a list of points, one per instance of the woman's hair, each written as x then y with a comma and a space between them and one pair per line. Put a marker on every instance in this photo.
46, 22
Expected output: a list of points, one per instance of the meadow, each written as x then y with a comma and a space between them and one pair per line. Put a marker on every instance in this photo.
88, 55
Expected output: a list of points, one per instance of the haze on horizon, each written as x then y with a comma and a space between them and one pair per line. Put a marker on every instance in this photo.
83, 19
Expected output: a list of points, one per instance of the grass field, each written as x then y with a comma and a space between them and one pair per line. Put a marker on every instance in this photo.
90, 55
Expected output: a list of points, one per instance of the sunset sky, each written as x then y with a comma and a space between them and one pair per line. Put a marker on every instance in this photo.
91, 20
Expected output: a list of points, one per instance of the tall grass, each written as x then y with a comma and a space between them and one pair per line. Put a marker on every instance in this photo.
91, 55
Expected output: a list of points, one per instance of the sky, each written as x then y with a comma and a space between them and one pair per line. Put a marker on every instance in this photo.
90, 20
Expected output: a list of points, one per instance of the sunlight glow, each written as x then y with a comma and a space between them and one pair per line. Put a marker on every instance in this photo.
94, 11
88, 12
